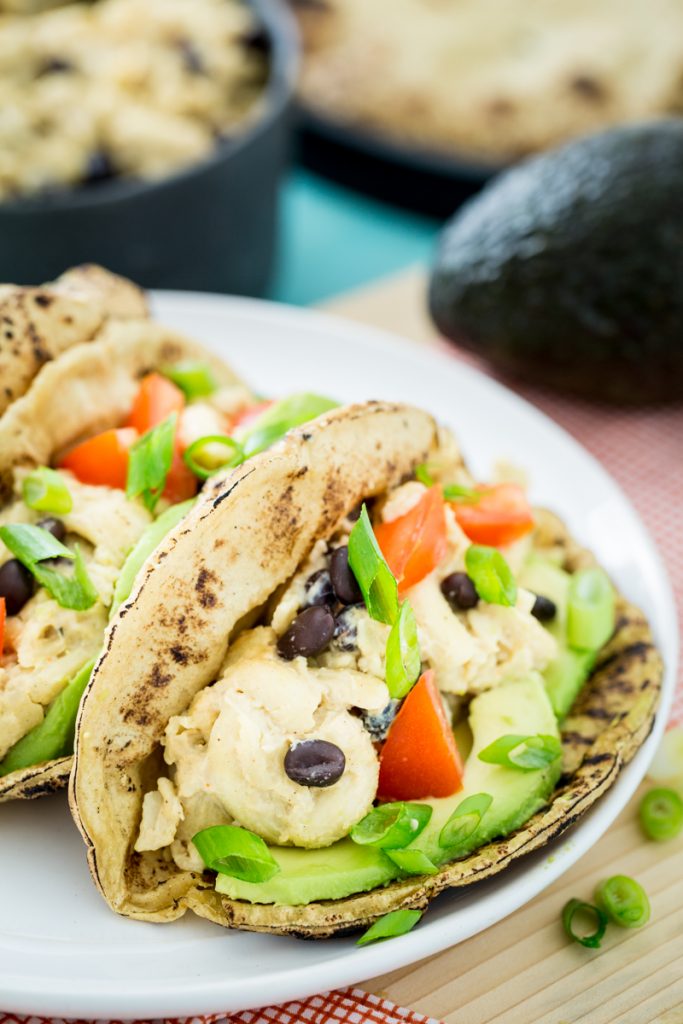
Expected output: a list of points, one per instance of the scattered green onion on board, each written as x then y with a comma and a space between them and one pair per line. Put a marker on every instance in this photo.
585, 911
281, 417
204, 458
624, 901
590, 609
492, 577
149, 461
195, 379
403, 661
528, 753
375, 579
234, 851
661, 814
391, 826
465, 820
398, 922
45, 490
34, 547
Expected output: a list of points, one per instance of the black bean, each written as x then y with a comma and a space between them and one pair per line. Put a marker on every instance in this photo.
16, 585
459, 590
355, 512
308, 635
544, 609
378, 723
54, 526
345, 631
100, 167
344, 582
319, 589
315, 763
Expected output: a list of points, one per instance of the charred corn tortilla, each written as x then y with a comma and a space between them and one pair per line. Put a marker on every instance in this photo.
88, 389
39, 324
210, 579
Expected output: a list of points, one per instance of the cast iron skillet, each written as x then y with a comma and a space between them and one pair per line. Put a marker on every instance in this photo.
420, 179
211, 227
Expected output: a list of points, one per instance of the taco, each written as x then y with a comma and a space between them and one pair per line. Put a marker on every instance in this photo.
75, 525
39, 323
306, 717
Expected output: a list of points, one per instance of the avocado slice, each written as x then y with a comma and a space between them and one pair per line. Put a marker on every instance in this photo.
54, 736
345, 868
567, 673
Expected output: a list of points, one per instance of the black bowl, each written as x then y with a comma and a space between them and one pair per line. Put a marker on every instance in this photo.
210, 227
417, 178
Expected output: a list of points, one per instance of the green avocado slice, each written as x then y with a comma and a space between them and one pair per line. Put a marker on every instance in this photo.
566, 674
345, 868
149, 541
54, 736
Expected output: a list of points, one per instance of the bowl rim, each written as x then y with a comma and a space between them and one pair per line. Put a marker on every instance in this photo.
278, 94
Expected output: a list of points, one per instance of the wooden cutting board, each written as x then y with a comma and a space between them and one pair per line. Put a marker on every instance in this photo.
524, 970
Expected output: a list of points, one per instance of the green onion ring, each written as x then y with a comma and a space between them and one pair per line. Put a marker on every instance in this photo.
573, 907
192, 454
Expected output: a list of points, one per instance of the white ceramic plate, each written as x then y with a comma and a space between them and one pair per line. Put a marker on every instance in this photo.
63, 953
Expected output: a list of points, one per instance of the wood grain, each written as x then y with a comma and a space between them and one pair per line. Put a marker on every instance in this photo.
523, 970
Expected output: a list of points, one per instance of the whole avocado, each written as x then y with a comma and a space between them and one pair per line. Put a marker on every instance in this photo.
568, 269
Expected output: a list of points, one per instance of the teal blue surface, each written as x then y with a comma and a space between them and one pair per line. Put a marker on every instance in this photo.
334, 239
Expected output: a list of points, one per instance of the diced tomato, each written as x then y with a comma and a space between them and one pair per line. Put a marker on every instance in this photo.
102, 459
245, 417
181, 483
500, 516
3, 616
156, 399
419, 758
415, 543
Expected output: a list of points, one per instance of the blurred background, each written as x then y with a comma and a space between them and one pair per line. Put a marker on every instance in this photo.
156, 136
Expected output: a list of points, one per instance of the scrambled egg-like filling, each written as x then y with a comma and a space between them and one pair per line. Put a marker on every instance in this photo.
121, 87
227, 752
45, 644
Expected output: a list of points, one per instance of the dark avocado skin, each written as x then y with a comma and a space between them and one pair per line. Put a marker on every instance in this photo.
568, 269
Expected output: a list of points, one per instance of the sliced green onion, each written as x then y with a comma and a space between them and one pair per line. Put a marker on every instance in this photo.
403, 662
45, 490
150, 539
590, 609
412, 862
492, 576
391, 826
204, 462
624, 901
375, 579
661, 814
599, 918
195, 379
281, 417
529, 753
237, 852
33, 546
451, 492
149, 461
465, 820
458, 492
398, 922
54, 736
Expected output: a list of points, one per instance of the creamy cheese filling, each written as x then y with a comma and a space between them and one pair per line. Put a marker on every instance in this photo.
45, 644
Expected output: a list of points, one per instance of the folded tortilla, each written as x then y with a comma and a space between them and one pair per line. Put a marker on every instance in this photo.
244, 539
37, 324
88, 389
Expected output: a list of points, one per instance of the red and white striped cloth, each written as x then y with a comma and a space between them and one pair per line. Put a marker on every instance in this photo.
350, 1006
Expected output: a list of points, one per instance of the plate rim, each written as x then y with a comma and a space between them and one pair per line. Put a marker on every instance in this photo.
219, 995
